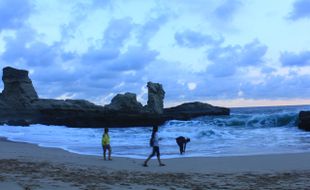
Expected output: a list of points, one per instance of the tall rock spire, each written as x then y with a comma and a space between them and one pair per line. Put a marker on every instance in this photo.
156, 95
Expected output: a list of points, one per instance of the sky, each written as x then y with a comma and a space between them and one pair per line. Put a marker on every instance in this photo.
223, 52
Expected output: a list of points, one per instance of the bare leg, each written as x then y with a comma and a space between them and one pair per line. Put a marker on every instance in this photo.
159, 161
158, 158
110, 151
181, 149
104, 152
150, 156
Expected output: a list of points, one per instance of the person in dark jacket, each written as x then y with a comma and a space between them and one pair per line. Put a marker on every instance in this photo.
182, 141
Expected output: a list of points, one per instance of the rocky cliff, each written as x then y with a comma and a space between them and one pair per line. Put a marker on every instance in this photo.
20, 105
304, 120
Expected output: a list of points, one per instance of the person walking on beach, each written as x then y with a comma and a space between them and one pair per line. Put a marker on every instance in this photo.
155, 145
106, 144
182, 141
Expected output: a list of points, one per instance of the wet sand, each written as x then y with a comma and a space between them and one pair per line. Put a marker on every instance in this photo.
27, 166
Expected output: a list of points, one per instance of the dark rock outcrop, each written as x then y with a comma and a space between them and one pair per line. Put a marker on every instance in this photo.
18, 88
20, 105
304, 120
156, 95
187, 111
125, 103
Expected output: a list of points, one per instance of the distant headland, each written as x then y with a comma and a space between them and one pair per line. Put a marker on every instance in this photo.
21, 105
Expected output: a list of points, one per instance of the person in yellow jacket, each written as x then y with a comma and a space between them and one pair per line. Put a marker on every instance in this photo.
106, 144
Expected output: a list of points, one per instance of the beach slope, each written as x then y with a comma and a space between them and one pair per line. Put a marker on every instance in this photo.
27, 166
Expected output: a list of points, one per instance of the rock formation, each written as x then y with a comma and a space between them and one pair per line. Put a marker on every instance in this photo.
304, 120
18, 88
20, 105
125, 102
156, 95
194, 109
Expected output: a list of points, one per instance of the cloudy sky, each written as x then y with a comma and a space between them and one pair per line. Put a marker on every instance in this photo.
225, 52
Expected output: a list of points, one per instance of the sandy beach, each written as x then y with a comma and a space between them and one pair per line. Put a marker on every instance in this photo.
27, 166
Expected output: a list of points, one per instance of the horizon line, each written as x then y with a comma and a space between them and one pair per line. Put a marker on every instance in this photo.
244, 103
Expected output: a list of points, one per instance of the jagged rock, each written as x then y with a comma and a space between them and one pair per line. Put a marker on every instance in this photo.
125, 103
304, 120
18, 88
156, 95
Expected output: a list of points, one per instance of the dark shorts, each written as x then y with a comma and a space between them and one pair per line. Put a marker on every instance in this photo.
108, 146
156, 151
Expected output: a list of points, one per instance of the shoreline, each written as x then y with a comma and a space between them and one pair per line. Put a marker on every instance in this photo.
225, 164
163, 156
27, 165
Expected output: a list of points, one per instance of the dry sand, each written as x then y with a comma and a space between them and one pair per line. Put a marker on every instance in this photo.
26, 166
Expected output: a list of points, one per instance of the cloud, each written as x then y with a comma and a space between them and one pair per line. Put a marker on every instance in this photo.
117, 32
135, 58
277, 87
252, 53
96, 56
267, 70
226, 60
301, 9
24, 48
293, 59
147, 30
100, 3
226, 11
51, 67
96, 75
84, 81
242, 84
192, 39
13, 13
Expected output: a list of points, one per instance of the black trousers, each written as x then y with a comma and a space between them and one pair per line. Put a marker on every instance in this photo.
155, 151
181, 146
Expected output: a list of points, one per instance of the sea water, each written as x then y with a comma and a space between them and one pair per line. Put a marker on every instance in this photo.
247, 131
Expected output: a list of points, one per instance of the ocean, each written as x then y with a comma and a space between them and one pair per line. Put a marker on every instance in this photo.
247, 131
